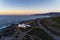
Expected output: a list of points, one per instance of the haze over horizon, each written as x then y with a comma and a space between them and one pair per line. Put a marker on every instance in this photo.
19, 7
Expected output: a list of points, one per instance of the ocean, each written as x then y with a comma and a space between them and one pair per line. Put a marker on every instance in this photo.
7, 19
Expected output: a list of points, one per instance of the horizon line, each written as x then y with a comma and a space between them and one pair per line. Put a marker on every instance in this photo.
29, 13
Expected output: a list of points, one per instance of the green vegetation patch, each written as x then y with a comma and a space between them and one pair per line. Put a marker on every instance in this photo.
39, 33
55, 19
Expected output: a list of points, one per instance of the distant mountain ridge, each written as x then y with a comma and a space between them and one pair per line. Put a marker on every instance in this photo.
51, 14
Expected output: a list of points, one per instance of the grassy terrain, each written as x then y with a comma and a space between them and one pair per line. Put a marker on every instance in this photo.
55, 19
37, 33
54, 23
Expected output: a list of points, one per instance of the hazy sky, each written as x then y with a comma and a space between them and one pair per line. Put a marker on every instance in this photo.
29, 6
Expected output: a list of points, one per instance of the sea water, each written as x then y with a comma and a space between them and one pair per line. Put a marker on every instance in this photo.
6, 19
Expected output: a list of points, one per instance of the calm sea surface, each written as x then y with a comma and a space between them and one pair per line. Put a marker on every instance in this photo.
6, 19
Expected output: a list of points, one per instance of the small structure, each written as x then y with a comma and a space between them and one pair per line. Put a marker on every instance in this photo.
23, 25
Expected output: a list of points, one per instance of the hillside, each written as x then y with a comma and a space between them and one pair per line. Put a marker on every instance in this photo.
50, 14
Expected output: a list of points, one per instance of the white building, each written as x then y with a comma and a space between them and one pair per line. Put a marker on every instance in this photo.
23, 25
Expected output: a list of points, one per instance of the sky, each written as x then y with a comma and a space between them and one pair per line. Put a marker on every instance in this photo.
28, 6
